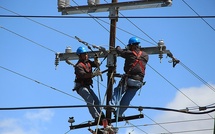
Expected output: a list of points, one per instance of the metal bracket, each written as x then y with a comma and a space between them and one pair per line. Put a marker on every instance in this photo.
113, 13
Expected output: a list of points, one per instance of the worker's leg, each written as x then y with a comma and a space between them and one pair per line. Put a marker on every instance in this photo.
132, 88
89, 99
96, 101
126, 99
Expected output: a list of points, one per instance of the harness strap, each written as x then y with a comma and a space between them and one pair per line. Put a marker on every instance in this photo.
137, 61
86, 67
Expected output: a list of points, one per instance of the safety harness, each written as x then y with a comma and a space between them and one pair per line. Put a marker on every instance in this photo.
87, 67
137, 61
88, 81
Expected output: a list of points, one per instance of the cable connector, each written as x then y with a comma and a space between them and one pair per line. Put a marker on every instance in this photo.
174, 60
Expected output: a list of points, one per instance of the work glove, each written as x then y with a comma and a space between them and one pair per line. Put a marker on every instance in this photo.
118, 47
97, 61
96, 73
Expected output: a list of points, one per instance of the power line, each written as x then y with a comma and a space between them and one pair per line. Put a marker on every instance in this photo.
38, 23
27, 39
157, 123
96, 17
137, 127
136, 27
186, 131
98, 22
198, 15
171, 122
108, 106
89, 15
197, 76
172, 84
167, 123
38, 82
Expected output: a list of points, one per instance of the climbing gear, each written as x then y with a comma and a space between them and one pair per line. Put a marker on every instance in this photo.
81, 50
137, 61
96, 73
86, 81
133, 40
87, 67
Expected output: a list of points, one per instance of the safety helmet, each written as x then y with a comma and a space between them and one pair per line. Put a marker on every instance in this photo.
81, 50
133, 40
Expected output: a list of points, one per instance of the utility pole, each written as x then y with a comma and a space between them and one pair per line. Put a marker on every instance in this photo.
112, 59
111, 55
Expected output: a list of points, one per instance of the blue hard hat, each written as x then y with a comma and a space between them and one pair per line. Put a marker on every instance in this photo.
133, 40
81, 50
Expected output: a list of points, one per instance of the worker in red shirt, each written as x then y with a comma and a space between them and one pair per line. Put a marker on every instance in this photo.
84, 82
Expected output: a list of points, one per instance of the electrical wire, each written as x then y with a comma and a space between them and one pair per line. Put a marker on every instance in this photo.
28, 39
197, 76
38, 23
175, 87
196, 130
173, 122
165, 123
198, 15
120, 106
156, 123
38, 82
171, 84
136, 127
105, 17
98, 22
96, 19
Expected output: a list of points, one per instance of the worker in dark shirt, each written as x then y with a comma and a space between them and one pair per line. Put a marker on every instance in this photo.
132, 80
84, 82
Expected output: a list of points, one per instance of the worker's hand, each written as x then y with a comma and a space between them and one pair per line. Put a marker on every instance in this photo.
96, 73
97, 61
118, 47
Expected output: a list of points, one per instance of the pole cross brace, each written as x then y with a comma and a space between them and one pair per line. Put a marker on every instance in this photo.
112, 121
74, 56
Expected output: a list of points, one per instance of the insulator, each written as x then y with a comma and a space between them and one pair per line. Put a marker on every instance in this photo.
56, 60
160, 56
63, 3
68, 50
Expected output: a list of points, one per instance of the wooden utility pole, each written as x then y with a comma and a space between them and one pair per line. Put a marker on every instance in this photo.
112, 59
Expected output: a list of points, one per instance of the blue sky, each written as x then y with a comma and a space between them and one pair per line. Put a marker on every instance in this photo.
190, 40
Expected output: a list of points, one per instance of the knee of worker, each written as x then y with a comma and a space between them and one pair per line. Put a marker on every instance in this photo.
85, 94
128, 96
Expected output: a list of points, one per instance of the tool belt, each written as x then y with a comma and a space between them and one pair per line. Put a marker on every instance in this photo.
135, 77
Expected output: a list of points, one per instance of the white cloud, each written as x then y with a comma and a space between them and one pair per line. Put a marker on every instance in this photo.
30, 123
42, 115
201, 96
